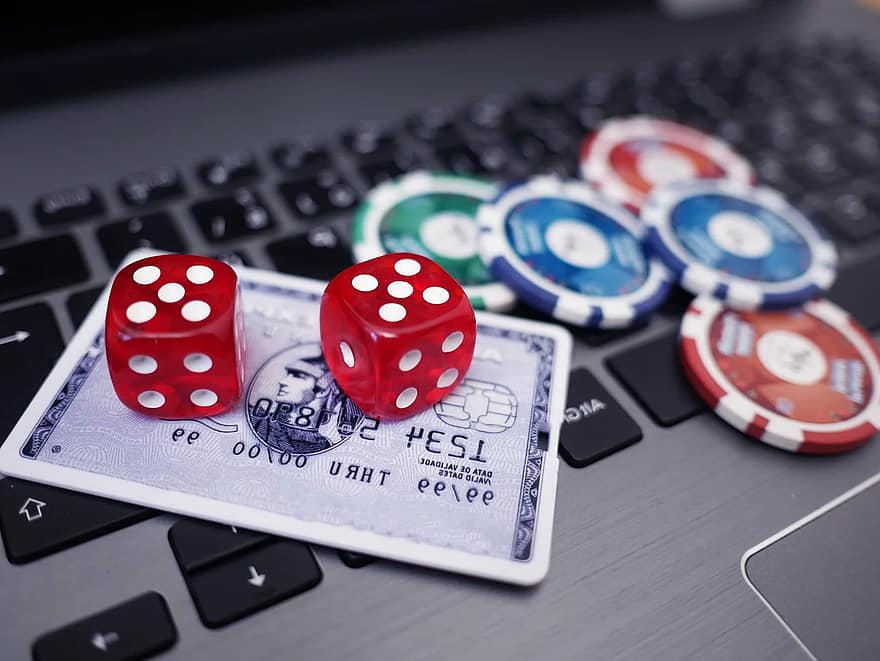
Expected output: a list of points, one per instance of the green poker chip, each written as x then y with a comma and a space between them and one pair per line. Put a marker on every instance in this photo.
434, 215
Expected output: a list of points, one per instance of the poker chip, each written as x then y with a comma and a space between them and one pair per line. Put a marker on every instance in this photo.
433, 215
626, 158
803, 379
569, 252
746, 246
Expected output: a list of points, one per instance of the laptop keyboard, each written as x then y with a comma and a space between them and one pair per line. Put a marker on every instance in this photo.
807, 116
23, 266
650, 371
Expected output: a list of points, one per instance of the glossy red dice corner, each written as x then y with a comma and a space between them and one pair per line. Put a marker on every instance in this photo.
398, 333
174, 336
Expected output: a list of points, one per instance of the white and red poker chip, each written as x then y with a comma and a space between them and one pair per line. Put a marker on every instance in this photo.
626, 158
805, 380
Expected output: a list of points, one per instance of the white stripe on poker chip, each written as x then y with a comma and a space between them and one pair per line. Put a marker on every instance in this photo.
384, 197
700, 278
739, 411
571, 307
595, 157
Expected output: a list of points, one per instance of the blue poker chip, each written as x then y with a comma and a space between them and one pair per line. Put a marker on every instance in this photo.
571, 253
745, 246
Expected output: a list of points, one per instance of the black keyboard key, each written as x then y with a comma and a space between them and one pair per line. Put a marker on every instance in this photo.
723, 74
369, 139
151, 186
823, 113
136, 629
872, 200
566, 168
237, 216
68, 206
253, 580
817, 166
539, 110
860, 152
677, 303
488, 114
79, 304
529, 146
599, 337
489, 158
38, 520
151, 230
460, 159
664, 88
39, 266
30, 343
562, 139
197, 544
653, 374
300, 157
355, 560
772, 172
377, 172
622, 97
435, 126
588, 119
595, 425
866, 108
320, 253
853, 292
590, 92
230, 169
8, 225
848, 215
233, 258
315, 197
781, 131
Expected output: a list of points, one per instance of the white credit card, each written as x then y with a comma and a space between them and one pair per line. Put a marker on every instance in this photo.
465, 486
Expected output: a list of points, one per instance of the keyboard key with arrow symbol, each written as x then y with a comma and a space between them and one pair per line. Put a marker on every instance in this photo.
32, 509
197, 544
256, 578
103, 641
17, 336
37, 520
30, 343
136, 629
252, 580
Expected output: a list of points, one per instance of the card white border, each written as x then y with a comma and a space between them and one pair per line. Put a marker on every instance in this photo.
360, 541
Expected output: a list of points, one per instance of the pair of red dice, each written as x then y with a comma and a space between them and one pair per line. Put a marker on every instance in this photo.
397, 332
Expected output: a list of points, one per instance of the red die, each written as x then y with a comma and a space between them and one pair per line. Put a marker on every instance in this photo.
397, 332
175, 336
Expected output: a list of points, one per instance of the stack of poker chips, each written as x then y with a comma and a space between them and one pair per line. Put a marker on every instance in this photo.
659, 204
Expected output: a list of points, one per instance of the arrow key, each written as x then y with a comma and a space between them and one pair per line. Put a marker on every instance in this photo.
197, 544
37, 520
253, 580
136, 629
29, 345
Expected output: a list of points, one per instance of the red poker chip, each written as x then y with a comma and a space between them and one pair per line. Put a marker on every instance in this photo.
805, 379
627, 158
